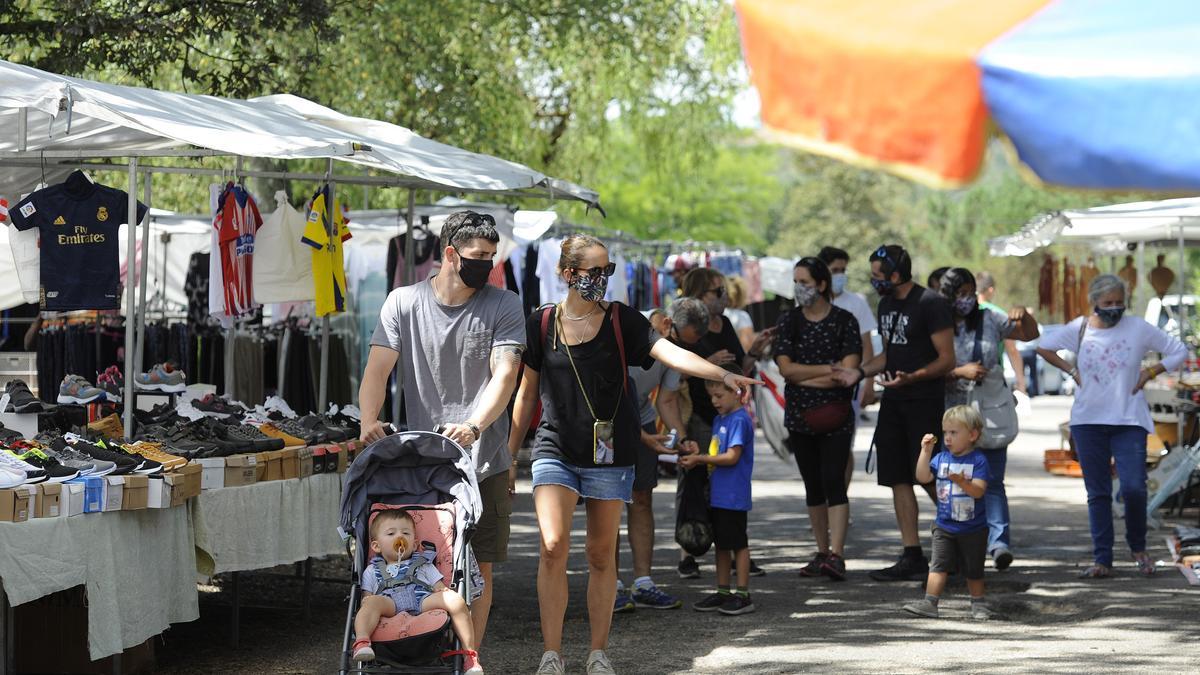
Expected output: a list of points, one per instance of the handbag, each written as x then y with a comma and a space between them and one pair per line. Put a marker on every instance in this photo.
995, 403
827, 417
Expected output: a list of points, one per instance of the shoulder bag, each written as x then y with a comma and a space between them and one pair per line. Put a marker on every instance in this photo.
995, 403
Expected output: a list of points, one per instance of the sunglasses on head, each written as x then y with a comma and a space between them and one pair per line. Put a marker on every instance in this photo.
606, 271
882, 254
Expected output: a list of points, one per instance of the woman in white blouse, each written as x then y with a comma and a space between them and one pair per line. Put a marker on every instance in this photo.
1110, 418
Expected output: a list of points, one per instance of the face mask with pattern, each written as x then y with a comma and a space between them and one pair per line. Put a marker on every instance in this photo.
590, 288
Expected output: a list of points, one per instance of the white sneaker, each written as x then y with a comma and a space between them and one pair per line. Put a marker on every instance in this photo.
10, 477
552, 664
598, 664
15, 465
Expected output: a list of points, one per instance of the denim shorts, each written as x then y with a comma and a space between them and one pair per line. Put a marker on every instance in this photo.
601, 482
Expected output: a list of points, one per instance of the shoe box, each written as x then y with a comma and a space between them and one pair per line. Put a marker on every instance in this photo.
174, 488
320, 453
232, 471
70, 500
93, 492
135, 493
307, 461
14, 505
48, 501
291, 463
274, 460
114, 492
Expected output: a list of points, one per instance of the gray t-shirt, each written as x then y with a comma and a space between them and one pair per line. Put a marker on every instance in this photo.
995, 327
445, 358
644, 381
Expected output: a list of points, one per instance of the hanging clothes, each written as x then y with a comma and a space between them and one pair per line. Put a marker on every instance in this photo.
195, 287
216, 276
282, 263
78, 223
752, 273
531, 292
236, 222
329, 275
427, 252
551, 286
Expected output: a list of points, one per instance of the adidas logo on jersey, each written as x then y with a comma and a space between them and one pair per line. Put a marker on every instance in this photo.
60, 221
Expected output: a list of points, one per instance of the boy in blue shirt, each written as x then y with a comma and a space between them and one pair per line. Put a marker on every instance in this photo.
960, 531
730, 459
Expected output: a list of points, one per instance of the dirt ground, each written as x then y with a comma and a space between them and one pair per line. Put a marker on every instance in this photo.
1050, 621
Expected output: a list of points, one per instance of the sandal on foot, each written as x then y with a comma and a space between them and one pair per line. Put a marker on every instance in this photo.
1096, 572
1145, 564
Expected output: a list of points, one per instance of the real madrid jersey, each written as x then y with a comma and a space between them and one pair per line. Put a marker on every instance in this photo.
78, 222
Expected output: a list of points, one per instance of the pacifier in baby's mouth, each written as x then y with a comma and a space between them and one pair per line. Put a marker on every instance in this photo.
401, 545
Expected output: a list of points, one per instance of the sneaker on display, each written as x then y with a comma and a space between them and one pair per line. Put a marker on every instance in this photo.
15, 464
55, 471
75, 389
275, 432
146, 466
212, 405
124, 463
245, 433
162, 377
10, 477
85, 464
20, 399
112, 390
108, 427
155, 452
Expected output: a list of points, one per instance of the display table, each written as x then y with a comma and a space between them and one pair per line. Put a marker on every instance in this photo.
138, 569
262, 525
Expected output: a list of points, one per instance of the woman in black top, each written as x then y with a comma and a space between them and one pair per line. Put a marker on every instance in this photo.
813, 340
589, 433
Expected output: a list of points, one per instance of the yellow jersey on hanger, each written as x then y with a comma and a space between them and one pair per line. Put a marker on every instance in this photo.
329, 273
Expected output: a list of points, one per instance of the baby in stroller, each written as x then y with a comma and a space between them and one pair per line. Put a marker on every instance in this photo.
401, 579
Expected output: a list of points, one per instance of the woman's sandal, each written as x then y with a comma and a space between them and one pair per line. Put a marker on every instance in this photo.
1144, 564
1096, 572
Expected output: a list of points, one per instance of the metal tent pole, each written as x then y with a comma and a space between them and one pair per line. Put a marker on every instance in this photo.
1182, 276
142, 282
330, 232
130, 307
1139, 293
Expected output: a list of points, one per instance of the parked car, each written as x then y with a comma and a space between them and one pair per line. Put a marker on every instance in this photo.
1168, 313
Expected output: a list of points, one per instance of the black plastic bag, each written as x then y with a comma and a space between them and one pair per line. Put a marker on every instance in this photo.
693, 527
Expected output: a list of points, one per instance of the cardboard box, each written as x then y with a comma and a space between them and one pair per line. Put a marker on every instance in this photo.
158, 494
320, 452
341, 460
260, 469
275, 465
190, 475
14, 505
307, 462
114, 492
240, 470
70, 501
213, 473
49, 500
291, 463
93, 493
135, 493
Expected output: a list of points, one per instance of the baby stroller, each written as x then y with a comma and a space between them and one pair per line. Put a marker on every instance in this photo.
433, 479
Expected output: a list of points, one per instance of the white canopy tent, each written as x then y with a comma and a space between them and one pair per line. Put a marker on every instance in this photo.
1112, 230
50, 123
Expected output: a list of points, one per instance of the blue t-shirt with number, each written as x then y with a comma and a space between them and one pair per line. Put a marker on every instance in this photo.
730, 485
957, 511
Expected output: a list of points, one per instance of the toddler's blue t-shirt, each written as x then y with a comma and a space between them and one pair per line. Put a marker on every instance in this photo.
730, 485
957, 511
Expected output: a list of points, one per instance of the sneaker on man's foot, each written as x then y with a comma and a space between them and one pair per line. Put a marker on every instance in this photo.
552, 664
834, 567
736, 604
756, 571
981, 612
1002, 558
598, 664
623, 603
712, 603
689, 568
906, 569
652, 597
922, 607
813, 568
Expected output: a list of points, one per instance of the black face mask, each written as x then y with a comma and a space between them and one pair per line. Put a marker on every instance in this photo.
474, 273
1110, 316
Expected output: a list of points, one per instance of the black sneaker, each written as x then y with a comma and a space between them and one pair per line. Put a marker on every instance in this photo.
20, 399
295, 428
146, 467
712, 603
755, 570
55, 471
813, 568
689, 568
178, 438
319, 425
245, 433
125, 463
163, 413
216, 405
906, 569
736, 604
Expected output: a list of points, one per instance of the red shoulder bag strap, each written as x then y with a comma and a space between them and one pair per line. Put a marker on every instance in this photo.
546, 323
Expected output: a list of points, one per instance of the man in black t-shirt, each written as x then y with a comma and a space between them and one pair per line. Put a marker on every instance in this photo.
77, 222
918, 351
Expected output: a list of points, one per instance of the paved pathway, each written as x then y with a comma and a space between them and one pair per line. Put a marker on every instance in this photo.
1052, 622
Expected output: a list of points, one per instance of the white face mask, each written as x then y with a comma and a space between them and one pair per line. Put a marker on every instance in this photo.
838, 284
